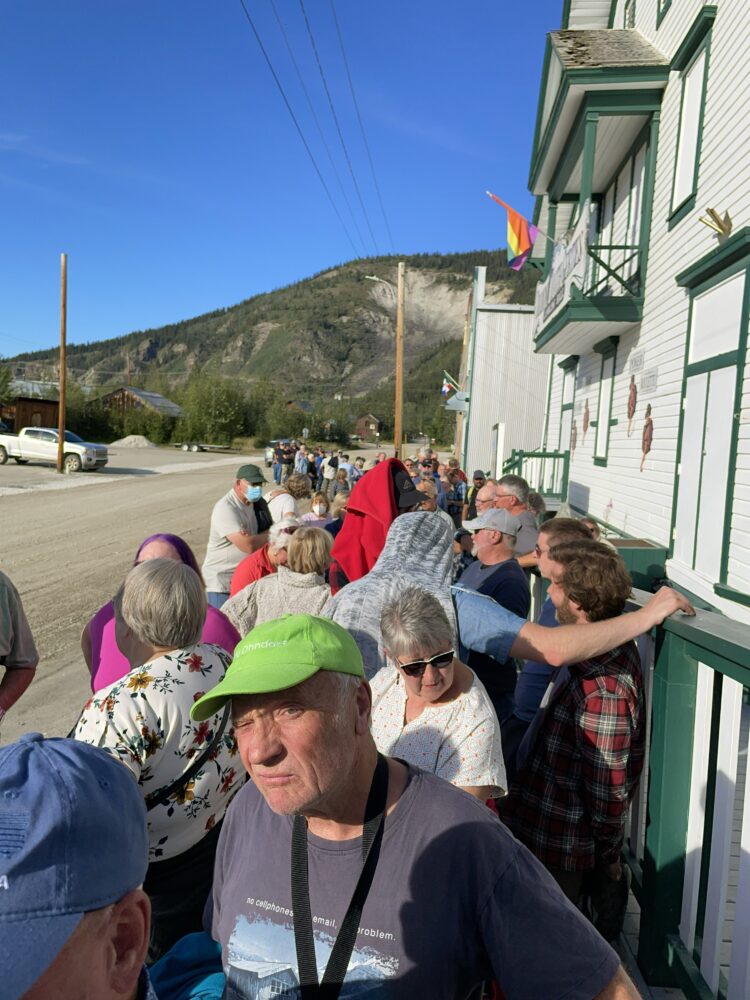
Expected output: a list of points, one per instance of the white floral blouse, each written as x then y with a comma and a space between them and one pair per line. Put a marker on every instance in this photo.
457, 740
144, 720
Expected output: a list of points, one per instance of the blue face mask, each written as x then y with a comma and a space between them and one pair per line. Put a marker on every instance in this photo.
253, 493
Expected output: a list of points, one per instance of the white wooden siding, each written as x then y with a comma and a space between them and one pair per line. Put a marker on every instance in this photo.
588, 14
508, 387
640, 503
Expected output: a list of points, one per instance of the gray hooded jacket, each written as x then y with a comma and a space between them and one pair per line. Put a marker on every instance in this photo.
418, 551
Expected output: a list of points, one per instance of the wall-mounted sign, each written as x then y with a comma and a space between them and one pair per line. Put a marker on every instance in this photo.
569, 265
637, 361
648, 382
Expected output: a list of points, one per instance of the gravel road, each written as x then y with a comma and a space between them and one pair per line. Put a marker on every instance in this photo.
67, 541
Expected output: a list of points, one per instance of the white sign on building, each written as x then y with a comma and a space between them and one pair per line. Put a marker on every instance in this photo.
569, 266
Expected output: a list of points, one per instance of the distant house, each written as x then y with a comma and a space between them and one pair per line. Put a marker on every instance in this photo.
129, 398
258, 980
368, 426
30, 411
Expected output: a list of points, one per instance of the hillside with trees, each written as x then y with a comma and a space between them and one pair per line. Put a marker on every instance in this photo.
325, 342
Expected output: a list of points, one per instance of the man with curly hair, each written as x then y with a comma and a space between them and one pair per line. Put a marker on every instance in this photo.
581, 759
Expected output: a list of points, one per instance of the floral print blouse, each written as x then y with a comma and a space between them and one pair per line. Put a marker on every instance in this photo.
144, 720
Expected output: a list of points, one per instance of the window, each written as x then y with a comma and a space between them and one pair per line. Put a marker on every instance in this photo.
662, 6
568, 367
628, 14
709, 407
692, 62
608, 350
688, 143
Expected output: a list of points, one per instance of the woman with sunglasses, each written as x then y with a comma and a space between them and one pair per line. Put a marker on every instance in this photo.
430, 709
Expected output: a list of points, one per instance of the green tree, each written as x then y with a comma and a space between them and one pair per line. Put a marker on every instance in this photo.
214, 410
6, 377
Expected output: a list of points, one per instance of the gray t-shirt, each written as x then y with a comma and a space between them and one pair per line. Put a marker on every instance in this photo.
17, 647
528, 532
229, 516
455, 900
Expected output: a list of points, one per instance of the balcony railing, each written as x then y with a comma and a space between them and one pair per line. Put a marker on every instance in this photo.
613, 269
544, 471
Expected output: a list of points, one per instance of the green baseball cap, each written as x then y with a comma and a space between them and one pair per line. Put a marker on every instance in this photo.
251, 473
277, 655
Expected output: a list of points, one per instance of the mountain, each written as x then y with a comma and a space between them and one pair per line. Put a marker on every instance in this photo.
332, 330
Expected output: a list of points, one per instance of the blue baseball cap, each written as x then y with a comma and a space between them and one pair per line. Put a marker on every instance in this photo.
73, 838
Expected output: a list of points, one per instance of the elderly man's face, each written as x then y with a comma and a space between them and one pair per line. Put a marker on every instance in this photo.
485, 498
297, 745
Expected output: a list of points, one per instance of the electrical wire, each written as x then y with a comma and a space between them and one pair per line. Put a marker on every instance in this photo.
319, 127
362, 127
296, 123
338, 126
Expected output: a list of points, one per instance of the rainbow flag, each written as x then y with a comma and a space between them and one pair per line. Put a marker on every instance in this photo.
521, 236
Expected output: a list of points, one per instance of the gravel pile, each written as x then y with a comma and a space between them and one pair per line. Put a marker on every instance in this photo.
133, 441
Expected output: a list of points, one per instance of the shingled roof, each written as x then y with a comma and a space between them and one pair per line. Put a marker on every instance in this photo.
598, 48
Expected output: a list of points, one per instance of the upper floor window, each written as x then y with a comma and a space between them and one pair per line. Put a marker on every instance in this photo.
662, 6
692, 62
628, 14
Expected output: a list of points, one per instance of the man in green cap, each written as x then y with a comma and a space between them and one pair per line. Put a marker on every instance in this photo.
239, 525
342, 868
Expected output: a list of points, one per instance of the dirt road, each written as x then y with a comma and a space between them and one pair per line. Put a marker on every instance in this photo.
66, 543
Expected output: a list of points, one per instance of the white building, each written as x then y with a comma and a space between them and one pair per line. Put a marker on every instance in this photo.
643, 125
505, 381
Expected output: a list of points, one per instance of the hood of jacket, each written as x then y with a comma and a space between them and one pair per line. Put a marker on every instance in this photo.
418, 551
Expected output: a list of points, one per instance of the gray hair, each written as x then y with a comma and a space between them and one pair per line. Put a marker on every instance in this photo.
163, 603
516, 486
413, 620
279, 535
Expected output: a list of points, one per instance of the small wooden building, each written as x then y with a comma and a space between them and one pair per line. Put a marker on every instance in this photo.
30, 411
367, 427
129, 398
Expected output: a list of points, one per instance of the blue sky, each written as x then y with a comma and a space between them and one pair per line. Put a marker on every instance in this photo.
148, 141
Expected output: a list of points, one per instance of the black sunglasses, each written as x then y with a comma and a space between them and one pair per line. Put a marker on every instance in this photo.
441, 661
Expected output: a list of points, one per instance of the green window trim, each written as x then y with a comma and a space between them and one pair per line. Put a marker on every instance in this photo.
567, 364
714, 268
696, 43
662, 6
694, 38
718, 262
607, 348
731, 594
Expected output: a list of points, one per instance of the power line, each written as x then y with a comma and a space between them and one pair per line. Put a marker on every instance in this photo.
296, 123
317, 123
338, 127
362, 127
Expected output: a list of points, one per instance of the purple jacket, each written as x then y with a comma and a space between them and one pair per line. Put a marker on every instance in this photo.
109, 665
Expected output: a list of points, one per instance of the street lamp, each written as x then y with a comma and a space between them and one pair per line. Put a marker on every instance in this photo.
398, 406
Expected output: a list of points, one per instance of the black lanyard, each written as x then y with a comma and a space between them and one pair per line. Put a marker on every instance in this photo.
338, 963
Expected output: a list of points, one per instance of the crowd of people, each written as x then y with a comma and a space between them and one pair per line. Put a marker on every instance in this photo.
339, 733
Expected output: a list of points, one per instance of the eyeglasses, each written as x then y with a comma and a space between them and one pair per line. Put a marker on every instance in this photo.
440, 661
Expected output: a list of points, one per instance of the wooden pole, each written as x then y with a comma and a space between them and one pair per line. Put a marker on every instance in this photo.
63, 331
398, 416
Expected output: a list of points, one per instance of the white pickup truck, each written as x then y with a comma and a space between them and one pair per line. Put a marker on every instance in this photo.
39, 444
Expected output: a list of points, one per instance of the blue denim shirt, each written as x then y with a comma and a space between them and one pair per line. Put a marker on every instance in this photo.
483, 625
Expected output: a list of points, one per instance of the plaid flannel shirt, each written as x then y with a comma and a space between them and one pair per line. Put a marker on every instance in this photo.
569, 801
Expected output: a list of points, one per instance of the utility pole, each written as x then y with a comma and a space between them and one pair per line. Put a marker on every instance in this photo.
398, 416
63, 331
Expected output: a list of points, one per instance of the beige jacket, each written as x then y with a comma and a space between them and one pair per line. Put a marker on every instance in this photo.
281, 593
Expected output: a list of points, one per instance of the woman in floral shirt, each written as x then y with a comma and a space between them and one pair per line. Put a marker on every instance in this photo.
144, 720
